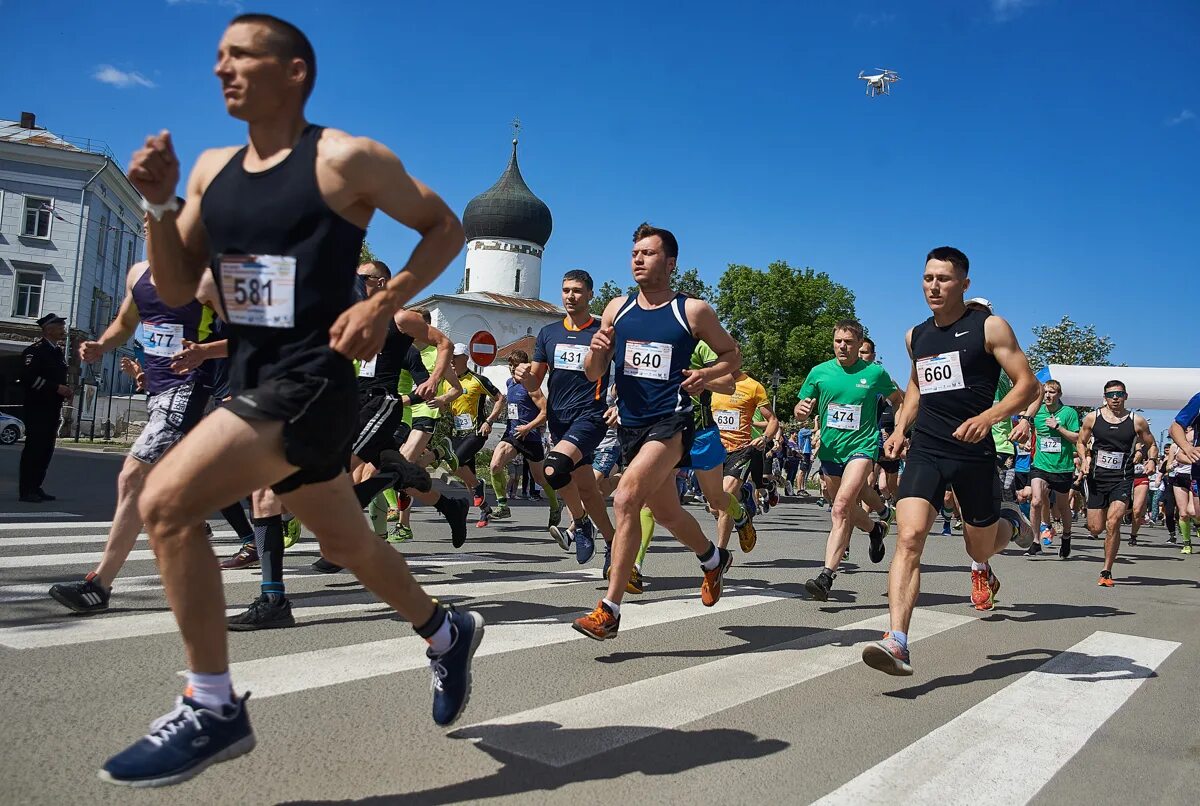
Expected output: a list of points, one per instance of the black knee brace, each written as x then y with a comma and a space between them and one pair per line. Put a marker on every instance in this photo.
562, 466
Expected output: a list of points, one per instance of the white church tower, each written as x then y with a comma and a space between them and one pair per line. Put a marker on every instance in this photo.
507, 229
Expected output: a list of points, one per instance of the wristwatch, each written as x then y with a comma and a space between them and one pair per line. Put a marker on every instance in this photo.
159, 210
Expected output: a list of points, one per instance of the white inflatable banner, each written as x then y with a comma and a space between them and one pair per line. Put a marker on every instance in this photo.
1149, 387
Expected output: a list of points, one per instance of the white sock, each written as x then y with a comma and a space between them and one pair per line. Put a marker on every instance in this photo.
713, 561
613, 606
441, 640
212, 691
978, 566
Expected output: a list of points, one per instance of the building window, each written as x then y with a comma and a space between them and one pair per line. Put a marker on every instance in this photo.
38, 213
29, 294
517, 282
102, 238
101, 307
117, 247
467, 280
129, 253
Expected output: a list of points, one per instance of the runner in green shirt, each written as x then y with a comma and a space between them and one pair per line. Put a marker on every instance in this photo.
845, 394
1056, 430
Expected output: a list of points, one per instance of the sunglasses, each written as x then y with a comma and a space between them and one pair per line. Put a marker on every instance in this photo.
1115, 395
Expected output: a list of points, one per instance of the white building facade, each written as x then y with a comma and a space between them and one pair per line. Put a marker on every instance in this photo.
70, 228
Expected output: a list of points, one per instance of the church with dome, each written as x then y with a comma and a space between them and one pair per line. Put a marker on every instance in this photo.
507, 230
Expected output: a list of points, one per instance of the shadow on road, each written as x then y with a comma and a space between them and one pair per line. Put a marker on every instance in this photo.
662, 752
1084, 669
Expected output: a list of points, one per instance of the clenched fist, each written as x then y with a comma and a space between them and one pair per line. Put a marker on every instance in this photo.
154, 168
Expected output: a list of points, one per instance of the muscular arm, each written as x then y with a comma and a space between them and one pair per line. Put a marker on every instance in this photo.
772, 427
377, 179
177, 246
1002, 344
1146, 436
906, 415
706, 326
601, 353
540, 401
537, 373
1083, 441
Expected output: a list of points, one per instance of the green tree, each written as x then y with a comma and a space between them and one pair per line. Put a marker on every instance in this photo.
783, 319
1069, 343
605, 294
689, 282
365, 255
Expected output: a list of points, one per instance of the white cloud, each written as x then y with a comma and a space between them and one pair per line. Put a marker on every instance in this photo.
1003, 10
107, 74
1183, 117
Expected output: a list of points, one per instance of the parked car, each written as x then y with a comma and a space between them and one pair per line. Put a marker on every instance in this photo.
11, 429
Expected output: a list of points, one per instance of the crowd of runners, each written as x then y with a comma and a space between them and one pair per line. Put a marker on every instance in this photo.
284, 375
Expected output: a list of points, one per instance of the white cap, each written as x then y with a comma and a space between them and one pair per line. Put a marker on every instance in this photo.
460, 349
984, 301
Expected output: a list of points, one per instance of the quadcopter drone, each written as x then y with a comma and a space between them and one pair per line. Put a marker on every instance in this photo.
880, 83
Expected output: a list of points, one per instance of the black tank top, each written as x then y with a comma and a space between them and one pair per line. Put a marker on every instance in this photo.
273, 238
383, 373
1112, 448
958, 378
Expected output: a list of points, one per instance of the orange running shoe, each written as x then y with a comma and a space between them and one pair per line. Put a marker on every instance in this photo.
710, 588
599, 624
982, 596
1106, 580
747, 536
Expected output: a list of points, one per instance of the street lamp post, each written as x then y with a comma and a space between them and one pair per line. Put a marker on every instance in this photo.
776, 377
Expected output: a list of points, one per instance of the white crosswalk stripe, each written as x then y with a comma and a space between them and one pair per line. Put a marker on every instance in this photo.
1047, 715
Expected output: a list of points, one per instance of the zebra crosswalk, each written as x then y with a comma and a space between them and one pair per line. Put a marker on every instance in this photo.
693, 668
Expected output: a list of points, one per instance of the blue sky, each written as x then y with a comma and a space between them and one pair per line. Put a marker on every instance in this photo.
1054, 142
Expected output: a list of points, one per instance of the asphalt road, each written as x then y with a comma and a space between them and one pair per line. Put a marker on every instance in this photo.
1067, 693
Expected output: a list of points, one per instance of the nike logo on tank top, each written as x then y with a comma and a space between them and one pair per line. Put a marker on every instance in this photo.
957, 377
652, 349
285, 263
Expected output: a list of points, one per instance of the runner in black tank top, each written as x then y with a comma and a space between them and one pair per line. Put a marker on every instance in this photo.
1107, 463
281, 222
957, 355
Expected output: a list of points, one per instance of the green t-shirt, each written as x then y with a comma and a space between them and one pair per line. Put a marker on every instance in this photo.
703, 356
1003, 430
847, 407
1054, 453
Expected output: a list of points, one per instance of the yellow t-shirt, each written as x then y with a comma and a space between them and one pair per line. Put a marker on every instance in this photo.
734, 413
469, 407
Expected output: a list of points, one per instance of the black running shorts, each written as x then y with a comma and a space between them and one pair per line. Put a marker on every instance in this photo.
378, 416
1058, 482
317, 402
466, 446
633, 438
530, 447
1101, 493
975, 482
746, 463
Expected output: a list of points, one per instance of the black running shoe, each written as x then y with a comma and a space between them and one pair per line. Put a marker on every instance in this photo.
408, 475
455, 511
876, 549
87, 596
1034, 549
1132, 540
819, 588
265, 613
323, 566
1064, 547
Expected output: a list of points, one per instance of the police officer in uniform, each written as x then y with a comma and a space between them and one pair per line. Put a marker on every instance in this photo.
44, 376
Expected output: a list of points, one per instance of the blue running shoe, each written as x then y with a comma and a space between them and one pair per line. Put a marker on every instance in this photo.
585, 540
452, 669
748, 500
182, 744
